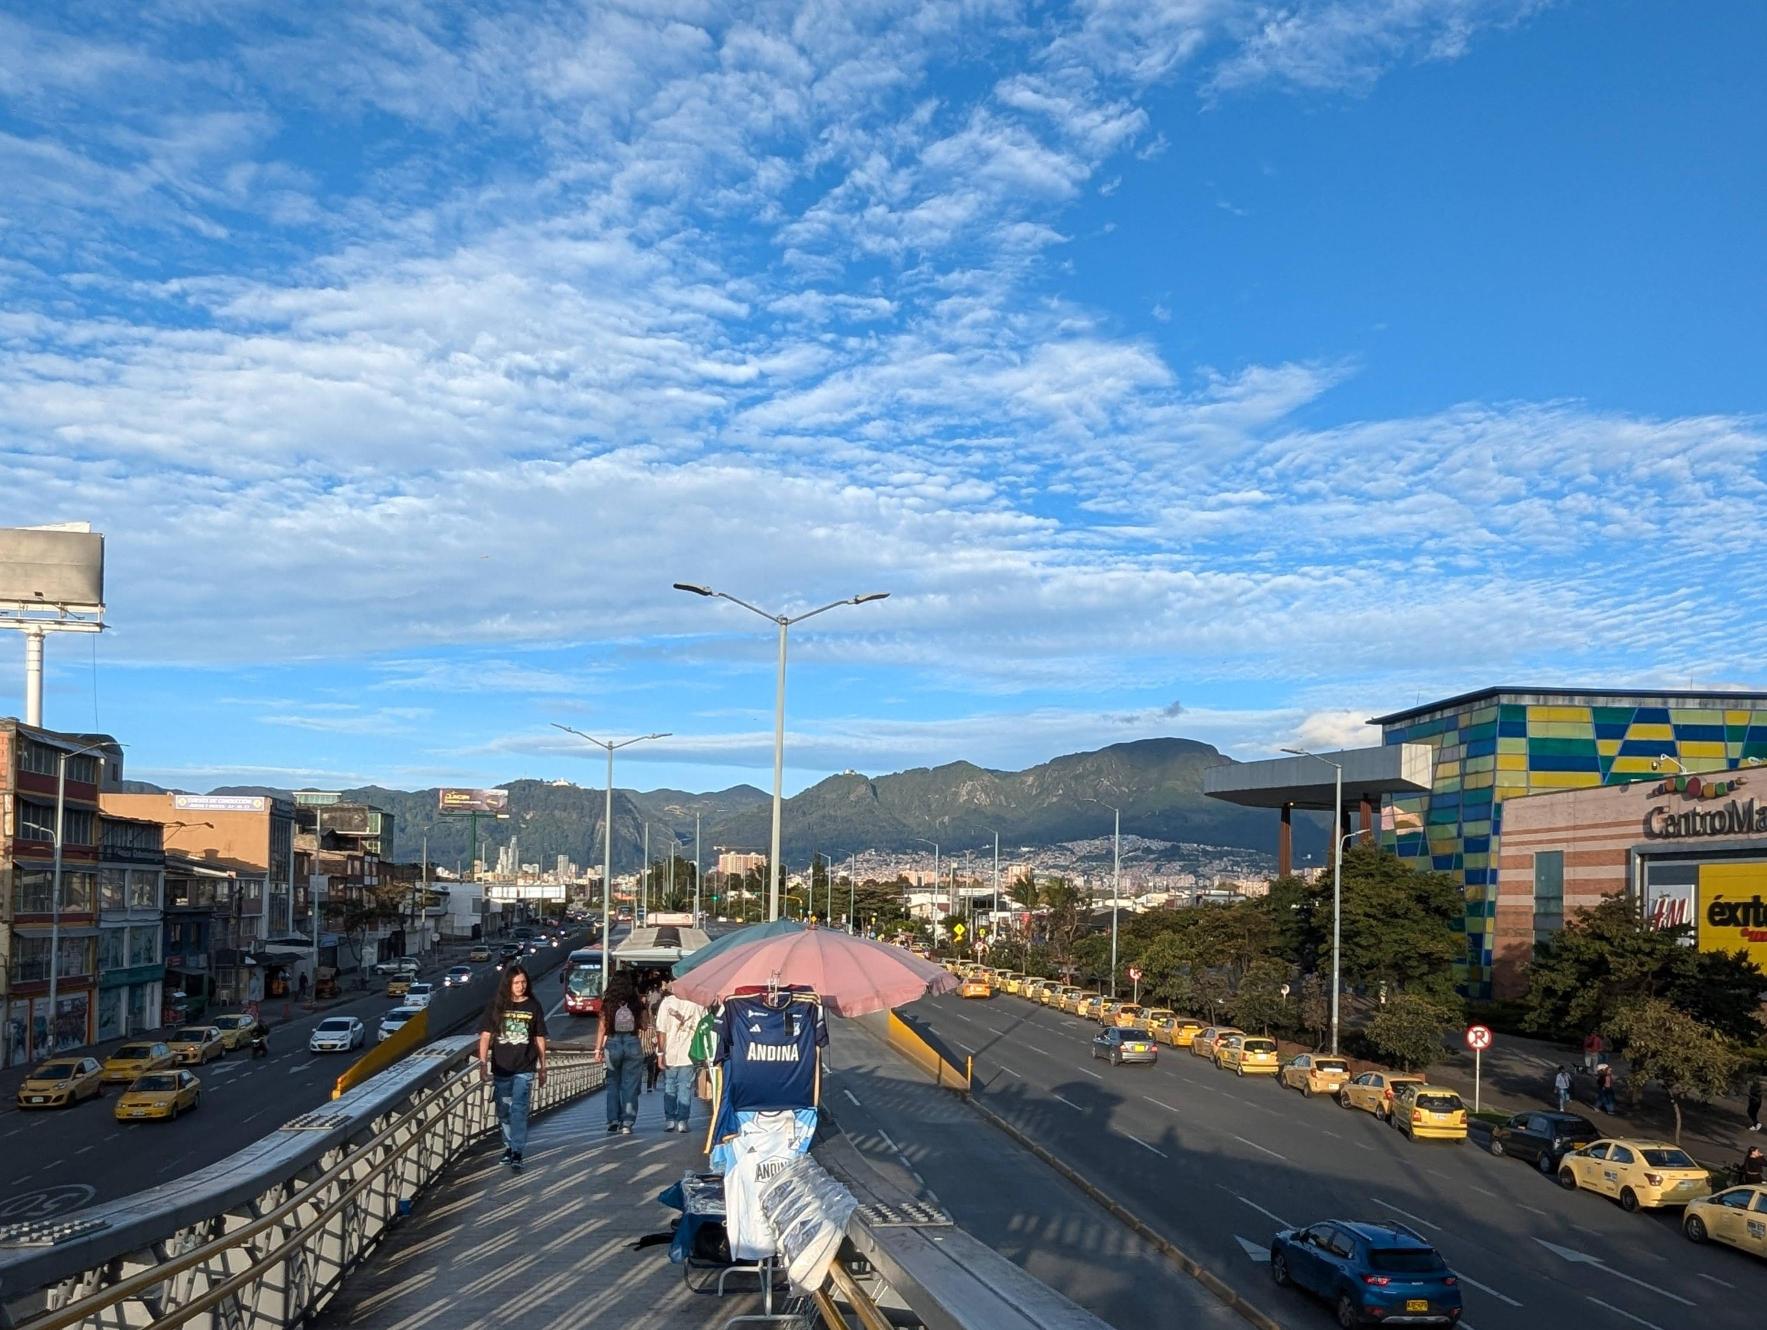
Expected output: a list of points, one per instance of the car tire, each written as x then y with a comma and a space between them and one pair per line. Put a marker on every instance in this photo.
1497, 1147
1545, 1163
1694, 1227
1567, 1179
196, 1100
1239, 1071
1279, 1270
1116, 1058
1344, 1101
1348, 1316
174, 1112
1306, 1090
1628, 1200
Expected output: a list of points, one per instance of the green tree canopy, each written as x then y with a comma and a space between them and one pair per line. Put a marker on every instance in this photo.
1408, 1030
1690, 1060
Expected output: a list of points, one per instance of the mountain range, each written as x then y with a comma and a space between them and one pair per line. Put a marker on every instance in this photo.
1156, 782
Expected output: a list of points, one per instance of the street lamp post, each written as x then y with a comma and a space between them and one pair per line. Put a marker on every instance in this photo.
61, 762
1337, 881
784, 622
607, 840
1116, 871
696, 864
851, 894
935, 844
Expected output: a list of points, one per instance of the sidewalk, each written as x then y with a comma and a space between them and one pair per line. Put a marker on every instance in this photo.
551, 1249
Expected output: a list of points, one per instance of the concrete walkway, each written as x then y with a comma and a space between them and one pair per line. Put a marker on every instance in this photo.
550, 1249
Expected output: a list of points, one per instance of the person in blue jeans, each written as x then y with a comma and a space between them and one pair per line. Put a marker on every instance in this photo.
676, 1020
512, 1058
619, 1038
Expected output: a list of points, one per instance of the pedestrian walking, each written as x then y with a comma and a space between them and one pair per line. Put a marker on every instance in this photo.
1754, 1165
677, 1021
1754, 1104
1561, 1085
512, 1058
1604, 1088
1593, 1047
619, 1039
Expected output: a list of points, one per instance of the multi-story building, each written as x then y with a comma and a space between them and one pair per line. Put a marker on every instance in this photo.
50, 928
354, 842
734, 863
131, 966
250, 838
1501, 743
198, 896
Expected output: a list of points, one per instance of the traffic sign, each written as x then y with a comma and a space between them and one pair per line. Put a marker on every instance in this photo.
956, 930
1135, 973
1478, 1037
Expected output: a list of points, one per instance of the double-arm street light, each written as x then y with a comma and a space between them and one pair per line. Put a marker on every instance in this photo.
1337, 878
784, 622
1116, 871
607, 838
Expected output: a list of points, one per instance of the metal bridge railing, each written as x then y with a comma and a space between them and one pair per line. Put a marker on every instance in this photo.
265, 1237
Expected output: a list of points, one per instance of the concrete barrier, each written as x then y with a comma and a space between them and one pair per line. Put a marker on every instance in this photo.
401, 1043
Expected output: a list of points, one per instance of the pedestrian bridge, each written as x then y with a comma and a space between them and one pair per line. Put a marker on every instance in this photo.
387, 1209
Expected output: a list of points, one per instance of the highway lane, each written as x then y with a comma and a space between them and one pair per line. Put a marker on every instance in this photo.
1219, 1163
61, 1160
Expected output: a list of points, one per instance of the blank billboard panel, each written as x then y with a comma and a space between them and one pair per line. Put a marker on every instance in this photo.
47, 568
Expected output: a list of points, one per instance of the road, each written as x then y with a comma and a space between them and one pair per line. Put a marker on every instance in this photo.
60, 1160
1218, 1164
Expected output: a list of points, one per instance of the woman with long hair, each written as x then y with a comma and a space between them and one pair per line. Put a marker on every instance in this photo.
512, 1056
619, 1037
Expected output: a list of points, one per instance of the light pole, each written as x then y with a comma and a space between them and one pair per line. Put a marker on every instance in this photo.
55, 879
1116, 870
1337, 881
696, 864
851, 891
935, 844
607, 839
784, 622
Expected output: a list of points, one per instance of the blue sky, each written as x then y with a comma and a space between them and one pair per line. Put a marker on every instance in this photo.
1227, 370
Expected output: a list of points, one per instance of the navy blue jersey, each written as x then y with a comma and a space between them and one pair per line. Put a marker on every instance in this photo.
769, 1052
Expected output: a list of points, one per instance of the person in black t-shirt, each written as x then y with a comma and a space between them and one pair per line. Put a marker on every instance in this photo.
512, 1057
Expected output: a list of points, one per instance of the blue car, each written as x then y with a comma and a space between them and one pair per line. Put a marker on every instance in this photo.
1382, 1274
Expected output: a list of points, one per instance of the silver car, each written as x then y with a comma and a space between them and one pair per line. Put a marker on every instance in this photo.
1122, 1046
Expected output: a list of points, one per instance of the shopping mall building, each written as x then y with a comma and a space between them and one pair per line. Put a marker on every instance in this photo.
1540, 801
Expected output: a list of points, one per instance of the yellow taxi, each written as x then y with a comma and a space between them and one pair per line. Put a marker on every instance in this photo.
1314, 1073
1128, 1015
60, 1082
1428, 1113
1052, 994
1033, 989
1737, 1216
1069, 998
1203, 1046
1181, 1032
1108, 1008
399, 985
197, 1044
1154, 1019
236, 1029
131, 1060
1090, 1006
479, 953
1011, 984
1639, 1174
1373, 1091
1247, 1054
975, 988
159, 1094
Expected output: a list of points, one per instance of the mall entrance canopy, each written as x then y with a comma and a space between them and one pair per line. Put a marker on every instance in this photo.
1288, 783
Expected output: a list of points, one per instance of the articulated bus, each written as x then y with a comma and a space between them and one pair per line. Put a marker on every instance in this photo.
582, 982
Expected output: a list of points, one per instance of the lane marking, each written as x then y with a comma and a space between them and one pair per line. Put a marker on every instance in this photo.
1329, 1132
1535, 1209
1268, 1214
1486, 1191
1253, 1249
1485, 1288
1243, 1141
1161, 1102
1714, 1278
1094, 1075
849, 1094
1144, 1145
1618, 1312
1069, 1102
1009, 1071
1416, 1219
84, 1148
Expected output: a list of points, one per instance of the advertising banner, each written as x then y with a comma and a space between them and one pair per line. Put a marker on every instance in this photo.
472, 801
1733, 909
1669, 905
220, 803
61, 568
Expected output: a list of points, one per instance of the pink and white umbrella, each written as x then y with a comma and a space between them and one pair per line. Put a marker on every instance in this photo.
852, 975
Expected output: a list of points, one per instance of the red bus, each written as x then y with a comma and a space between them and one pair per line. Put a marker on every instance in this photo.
582, 983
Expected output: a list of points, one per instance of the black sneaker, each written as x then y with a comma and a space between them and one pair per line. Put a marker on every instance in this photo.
613, 1129
515, 1163
508, 1154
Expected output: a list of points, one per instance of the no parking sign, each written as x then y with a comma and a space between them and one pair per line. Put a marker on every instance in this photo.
1478, 1038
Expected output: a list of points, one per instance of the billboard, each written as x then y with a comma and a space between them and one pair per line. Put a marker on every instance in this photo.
52, 568
220, 803
1732, 912
472, 801
1669, 905
525, 891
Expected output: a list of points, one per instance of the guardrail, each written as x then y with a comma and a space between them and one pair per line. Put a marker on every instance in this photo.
907, 1041
265, 1237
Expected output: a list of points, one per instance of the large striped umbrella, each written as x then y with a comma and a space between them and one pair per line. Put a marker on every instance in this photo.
737, 937
852, 975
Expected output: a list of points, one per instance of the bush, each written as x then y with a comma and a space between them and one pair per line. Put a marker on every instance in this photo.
1407, 1032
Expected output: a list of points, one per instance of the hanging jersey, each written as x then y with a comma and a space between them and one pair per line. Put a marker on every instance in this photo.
769, 1052
757, 1155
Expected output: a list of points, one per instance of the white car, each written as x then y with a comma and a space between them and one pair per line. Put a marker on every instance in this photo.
397, 965
418, 995
394, 1020
459, 976
336, 1034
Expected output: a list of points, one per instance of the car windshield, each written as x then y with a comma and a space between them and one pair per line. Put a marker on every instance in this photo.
131, 1052
1406, 1261
585, 983
56, 1071
1668, 1158
1260, 1045
334, 1025
462, 969
194, 1034
420, 988
159, 1082
397, 1016
1439, 1103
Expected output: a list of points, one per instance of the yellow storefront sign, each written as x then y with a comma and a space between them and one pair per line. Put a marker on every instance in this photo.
1733, 909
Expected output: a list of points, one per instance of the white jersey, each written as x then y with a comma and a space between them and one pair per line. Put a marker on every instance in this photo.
757, 1154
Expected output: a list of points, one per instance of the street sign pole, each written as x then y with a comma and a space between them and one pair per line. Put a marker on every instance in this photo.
1477, 1057
1478, 1038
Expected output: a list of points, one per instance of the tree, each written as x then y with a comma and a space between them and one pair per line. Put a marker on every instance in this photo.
1664, 1044
1408, 1030
1258, 1002
1068, 907
1315, 1010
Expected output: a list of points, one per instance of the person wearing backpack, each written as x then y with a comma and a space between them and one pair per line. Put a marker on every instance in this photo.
619, 1038
677, 1022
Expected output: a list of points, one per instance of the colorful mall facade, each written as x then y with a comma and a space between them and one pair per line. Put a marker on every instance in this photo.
1543, 801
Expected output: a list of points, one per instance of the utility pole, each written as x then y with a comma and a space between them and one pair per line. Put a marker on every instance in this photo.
644, 892
697, 861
